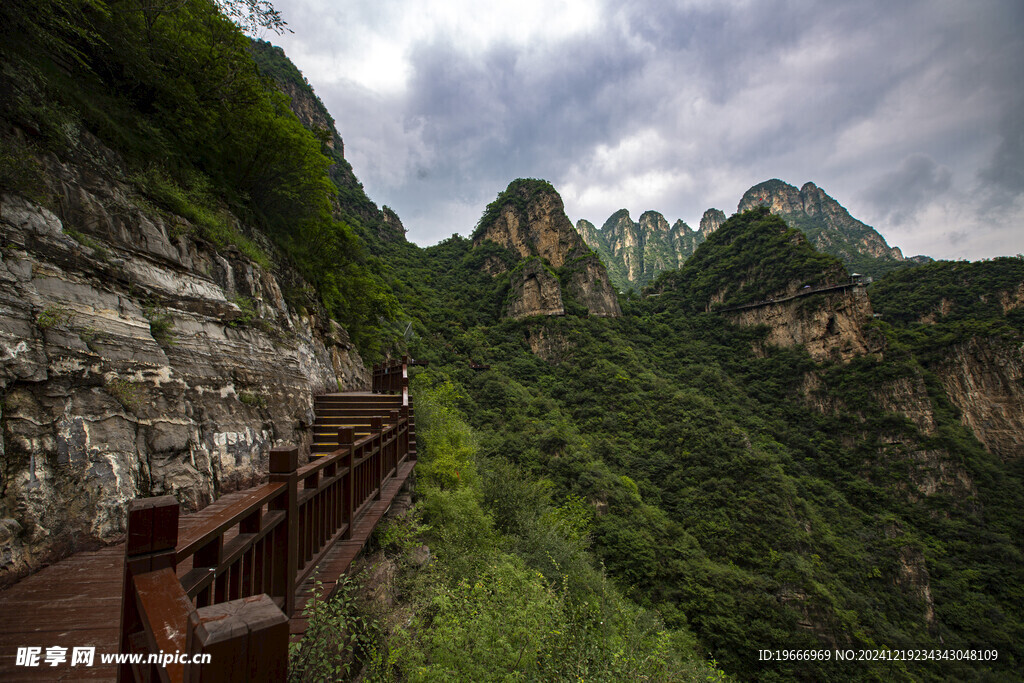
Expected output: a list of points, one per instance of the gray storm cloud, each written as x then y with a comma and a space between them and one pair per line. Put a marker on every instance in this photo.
899, 110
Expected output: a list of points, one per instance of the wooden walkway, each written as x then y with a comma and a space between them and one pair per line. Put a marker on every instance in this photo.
77, 602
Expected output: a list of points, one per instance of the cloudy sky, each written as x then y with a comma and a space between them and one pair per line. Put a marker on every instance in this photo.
909, 113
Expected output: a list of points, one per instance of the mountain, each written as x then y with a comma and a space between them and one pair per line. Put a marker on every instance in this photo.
528, 219
828, 225
636, 252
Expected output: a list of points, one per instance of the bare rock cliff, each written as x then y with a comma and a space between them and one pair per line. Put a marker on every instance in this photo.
529, 219
136, 360
828, 324
985, 380
826, 223
535, 291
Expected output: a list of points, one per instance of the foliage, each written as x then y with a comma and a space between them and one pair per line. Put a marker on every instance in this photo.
518, 195
20, 171
752, 257
338, 636
125, 392
53, 316
173, 89
485, 610
252, 399
757, 499
161, 325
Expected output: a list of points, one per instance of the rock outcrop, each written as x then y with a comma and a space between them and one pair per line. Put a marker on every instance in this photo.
828, 324
984, 378
535, 291
529, 219
136, 360
636, 253
710, 222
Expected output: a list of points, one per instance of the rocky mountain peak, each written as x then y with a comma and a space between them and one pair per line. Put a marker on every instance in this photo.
711, 221
827, 224
636, 252
529, 219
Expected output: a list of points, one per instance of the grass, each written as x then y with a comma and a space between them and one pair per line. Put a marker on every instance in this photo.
161, 325
252, 399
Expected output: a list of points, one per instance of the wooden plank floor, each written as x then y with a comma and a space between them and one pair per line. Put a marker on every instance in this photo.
77, 602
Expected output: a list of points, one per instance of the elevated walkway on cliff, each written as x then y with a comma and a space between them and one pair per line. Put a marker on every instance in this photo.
853, 284
230, 580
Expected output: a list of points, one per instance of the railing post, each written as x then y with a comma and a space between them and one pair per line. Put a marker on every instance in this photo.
375, 429
283, 463
345, 440
247, 640
396, 442
149, 546
412, 433
404, 412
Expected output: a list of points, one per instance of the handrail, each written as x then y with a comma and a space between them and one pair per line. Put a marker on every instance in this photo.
246, 562
392, 377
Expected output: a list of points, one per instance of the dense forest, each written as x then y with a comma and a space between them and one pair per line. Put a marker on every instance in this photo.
722, 492
658, 496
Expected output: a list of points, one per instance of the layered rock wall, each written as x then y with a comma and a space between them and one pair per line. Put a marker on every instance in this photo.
138, 361
530, 221
535, 291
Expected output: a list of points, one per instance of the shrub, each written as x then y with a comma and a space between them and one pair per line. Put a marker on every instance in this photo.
125, 392
53, 316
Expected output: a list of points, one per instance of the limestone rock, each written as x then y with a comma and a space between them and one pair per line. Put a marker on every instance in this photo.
711, 220
547, 342
829, 325
825, 222
636, 252
531, 221
985, 379
127, 368
588, 282
535, 291
528, 218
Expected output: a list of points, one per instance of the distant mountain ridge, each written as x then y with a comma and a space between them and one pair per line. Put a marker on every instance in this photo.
636, 252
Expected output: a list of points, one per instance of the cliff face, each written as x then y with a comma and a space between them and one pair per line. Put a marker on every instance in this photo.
829, 325
984, 378
355, 207
535, 291
138, 361
828, 225
710, 222
529, 219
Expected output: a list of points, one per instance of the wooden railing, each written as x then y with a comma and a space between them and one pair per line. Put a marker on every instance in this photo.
391, 377
241, 568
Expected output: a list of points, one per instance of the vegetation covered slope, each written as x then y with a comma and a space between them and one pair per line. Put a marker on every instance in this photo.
828, 225
751, 258
757, 497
